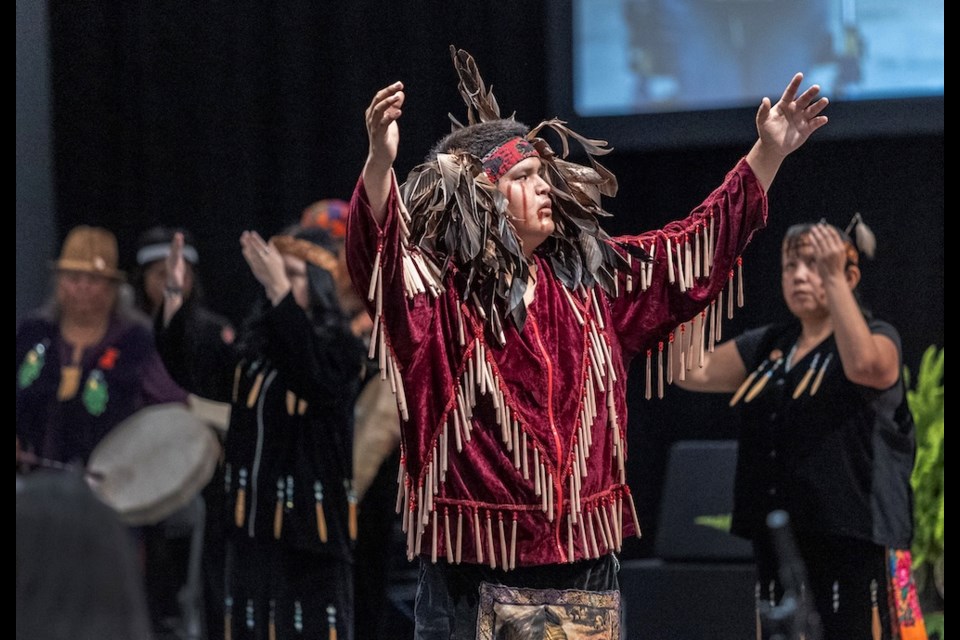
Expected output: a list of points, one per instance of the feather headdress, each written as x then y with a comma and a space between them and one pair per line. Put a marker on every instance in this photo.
458, 216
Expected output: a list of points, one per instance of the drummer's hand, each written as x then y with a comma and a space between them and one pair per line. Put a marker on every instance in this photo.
267, 266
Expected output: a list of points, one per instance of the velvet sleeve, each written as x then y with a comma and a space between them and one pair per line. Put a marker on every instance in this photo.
728, 217
375, 251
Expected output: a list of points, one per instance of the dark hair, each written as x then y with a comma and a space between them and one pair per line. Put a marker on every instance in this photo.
794, 236
77, 570
324, 306
479, 139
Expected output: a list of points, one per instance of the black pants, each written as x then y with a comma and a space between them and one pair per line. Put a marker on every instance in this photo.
839, 574
448, 594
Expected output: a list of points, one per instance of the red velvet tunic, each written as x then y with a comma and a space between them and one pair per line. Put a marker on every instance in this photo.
513, 456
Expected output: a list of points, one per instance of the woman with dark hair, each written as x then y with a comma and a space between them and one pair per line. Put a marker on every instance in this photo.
290, 510
206, 351
208, 335
826, 436
77, 573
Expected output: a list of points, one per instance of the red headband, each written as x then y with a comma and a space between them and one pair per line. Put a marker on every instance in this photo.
502, 158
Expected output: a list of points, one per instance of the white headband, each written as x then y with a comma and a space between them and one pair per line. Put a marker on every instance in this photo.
154, 252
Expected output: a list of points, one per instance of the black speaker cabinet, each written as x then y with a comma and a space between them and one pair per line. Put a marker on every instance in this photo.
697, 502
700, 585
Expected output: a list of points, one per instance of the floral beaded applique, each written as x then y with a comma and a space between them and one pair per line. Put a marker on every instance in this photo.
31, 366
904, 595
95, 393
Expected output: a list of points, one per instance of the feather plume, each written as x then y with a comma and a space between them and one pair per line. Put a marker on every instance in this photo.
862, 236
481, 104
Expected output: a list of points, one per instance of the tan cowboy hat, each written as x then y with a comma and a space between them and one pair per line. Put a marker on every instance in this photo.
90, 250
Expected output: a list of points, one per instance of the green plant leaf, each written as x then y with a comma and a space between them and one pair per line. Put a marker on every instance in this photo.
926, 405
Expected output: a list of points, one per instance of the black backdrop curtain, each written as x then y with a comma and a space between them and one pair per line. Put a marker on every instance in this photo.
225, 116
